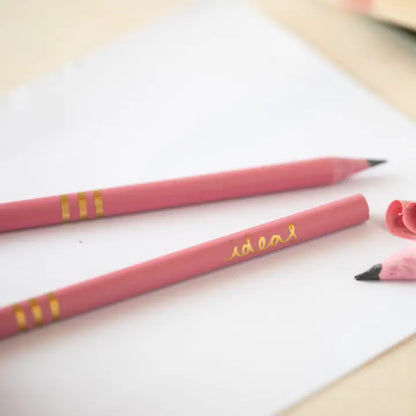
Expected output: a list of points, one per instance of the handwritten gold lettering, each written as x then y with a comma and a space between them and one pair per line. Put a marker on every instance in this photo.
247, 248
262, 244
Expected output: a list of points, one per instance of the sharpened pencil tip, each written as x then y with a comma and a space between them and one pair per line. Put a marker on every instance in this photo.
375, 162
372, 274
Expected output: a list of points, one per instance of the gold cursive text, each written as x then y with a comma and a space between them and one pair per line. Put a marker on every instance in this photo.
263, 244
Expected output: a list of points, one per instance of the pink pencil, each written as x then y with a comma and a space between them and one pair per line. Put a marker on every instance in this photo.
400, 266
181, 265
177, 192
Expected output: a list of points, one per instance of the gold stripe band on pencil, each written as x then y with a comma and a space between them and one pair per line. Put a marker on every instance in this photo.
82, 206
36, 312
54, 306
20, 317
98, 202
66, 213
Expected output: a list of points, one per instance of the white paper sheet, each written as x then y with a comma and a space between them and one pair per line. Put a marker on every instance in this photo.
215, 86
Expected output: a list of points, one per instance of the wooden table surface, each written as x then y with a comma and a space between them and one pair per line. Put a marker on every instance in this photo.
39, 37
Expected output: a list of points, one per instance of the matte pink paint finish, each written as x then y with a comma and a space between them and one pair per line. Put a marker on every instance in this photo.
400, 266
401, 219
30, 213
196, 260
183, 191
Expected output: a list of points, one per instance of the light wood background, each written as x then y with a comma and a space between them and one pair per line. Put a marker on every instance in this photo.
37, 37
382, 57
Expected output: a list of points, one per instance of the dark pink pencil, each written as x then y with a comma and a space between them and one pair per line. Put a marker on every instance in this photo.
177, 192
181, 265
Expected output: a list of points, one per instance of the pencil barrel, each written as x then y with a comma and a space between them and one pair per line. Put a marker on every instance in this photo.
51, 210
175, 192
183, 264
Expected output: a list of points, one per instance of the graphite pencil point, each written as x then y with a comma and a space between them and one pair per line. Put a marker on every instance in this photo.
371, 274
375, 162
